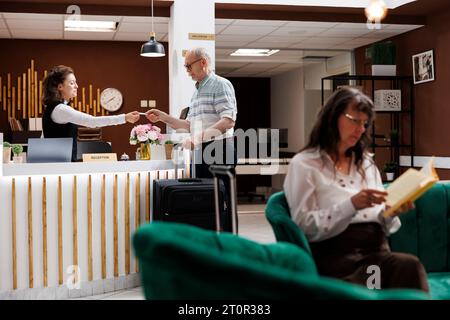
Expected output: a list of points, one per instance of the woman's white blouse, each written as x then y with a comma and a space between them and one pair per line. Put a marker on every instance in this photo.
319, 195
63, 114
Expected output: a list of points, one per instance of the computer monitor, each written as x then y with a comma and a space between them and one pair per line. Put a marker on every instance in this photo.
49, 150
92, 147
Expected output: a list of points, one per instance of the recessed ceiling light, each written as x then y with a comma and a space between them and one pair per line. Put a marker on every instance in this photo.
254, 52
92, 26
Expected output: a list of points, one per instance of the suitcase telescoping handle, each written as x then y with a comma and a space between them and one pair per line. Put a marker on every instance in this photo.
176, 146
193, 156
230, 172
180, 146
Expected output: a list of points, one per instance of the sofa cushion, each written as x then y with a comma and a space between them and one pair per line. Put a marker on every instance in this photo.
424, 230
284, 255
185, 262
439, 283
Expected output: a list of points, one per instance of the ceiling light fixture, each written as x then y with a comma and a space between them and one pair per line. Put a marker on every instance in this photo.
254, 52
375, 12
152, 48
92, 26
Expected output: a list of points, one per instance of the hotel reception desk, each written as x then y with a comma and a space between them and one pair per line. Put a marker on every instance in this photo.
66, 228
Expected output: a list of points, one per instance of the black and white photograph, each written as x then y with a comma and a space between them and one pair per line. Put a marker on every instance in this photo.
423, 67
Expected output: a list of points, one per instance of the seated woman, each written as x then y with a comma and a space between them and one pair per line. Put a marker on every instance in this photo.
59, 120
335, 194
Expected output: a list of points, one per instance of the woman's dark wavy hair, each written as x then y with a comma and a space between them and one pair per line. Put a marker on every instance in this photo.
325, 133
55, 77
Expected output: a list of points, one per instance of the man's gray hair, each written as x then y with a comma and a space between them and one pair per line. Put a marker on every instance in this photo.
201, 53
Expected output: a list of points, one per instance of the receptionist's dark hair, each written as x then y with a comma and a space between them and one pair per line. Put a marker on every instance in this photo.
55, 77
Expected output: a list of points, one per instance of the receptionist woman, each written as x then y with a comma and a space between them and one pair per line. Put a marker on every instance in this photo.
59, 119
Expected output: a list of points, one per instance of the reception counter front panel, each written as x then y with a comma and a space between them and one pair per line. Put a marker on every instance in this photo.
66, 228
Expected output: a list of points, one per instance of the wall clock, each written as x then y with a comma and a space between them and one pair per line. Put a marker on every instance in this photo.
111, 99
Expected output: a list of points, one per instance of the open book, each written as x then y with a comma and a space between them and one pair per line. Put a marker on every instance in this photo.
410, 186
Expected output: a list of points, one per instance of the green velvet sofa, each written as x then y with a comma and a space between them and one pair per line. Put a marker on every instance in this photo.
185, 262
425, 232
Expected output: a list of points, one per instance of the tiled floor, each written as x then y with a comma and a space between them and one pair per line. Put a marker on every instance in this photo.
252, 225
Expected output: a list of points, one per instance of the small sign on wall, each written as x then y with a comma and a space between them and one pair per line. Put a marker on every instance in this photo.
202, 36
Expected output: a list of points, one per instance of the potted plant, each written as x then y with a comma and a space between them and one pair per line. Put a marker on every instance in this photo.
383, 59
17, 149
389, 168
6, 152
145, 135
393, 136
168, 146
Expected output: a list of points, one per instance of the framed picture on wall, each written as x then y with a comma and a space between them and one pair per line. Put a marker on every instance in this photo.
423, 67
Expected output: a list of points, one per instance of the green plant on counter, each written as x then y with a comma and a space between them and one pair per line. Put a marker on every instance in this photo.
389, 167
169, 142
6, 144
17, 149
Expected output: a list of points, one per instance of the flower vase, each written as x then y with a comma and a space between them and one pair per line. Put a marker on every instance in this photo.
144, 150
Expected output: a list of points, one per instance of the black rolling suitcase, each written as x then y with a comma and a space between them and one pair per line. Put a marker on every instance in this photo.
194, 201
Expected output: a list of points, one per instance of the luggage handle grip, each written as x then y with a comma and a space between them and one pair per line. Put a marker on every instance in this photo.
222, 170
189, 180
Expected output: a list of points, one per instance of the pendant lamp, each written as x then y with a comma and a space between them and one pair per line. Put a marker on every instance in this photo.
375, 12
152, 48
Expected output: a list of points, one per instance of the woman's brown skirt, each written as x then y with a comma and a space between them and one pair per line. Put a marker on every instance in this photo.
349, 255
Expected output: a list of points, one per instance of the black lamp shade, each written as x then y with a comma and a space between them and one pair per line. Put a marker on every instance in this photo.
152, 48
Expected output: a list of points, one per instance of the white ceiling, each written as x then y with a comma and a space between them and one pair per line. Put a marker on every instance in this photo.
320, 3
295, 39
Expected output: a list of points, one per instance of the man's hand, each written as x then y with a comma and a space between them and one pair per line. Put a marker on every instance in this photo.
190, 143
187, 144
368, 198
155, 115
132, 117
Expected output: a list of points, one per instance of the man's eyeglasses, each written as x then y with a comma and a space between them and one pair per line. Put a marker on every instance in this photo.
357, 122
189, 66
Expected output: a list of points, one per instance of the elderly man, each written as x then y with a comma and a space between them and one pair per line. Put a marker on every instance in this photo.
211, 117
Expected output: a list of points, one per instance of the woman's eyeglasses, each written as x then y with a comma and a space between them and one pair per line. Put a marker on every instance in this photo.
189, 66
357, 122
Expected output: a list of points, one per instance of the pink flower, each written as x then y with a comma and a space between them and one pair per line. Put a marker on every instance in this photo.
152, 135
145, 133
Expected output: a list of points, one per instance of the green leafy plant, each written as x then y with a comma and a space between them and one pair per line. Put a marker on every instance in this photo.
393, 136
6, 144
389, 167
383, 53
17, 149
169, 142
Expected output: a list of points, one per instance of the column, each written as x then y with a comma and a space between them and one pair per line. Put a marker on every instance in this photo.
187, 16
